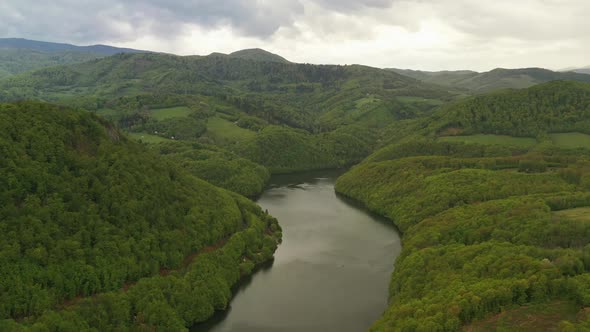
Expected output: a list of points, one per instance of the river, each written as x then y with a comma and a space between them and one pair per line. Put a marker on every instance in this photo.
331, 273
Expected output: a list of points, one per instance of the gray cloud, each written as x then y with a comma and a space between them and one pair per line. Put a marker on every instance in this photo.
444, 33
349, 5
81, 21
84, 21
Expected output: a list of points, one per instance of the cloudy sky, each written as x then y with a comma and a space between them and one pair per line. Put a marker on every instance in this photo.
417, 34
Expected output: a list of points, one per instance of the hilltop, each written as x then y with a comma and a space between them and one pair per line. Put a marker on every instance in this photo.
42, 46
258, 54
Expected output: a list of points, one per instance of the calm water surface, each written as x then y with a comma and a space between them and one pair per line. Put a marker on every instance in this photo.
331, 273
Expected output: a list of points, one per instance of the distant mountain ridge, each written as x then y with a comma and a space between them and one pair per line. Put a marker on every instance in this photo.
585, 70
18, 55
496, 79
42, 46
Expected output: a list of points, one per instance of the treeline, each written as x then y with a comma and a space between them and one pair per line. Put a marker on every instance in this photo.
86, 211
481, 232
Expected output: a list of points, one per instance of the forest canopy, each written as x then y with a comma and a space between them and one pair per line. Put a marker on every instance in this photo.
86, 211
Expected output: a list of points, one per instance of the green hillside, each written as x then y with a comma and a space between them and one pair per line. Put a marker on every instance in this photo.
486, 230
100, 233
490, 193
560, 106
16, 61
495, 79
217, 166
206, 99
124, 208
547, 113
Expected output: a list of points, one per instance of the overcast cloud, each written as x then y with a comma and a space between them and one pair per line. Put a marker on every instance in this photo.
418, 34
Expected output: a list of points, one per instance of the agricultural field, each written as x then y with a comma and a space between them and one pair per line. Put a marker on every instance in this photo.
412, 99
221, 130
168, 113
579, 214
571, 140
147, 138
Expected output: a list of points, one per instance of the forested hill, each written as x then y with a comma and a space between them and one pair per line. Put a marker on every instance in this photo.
493, 80
290, 116
19, 55
258, 54
294, 94
86, 213
42, 46
126, 74
560, 106
495, 227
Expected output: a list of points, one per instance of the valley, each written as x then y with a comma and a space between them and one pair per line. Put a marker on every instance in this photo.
148, 191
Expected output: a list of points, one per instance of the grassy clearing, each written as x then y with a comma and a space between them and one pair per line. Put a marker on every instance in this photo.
538, 317
171, 112
571, 140
147, 138
579, 214
222, 130
366, 101
525, 142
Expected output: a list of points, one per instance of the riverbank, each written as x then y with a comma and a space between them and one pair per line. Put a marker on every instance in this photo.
478, 239
174, 298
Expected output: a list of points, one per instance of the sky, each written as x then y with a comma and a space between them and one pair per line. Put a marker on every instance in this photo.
415, 34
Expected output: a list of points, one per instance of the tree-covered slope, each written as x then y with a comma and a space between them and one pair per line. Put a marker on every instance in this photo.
496, 79
86, 211
333, 113
561, 106
489, 229
534, 114
258, 54
486, 230
444, 78
298, 95
217, 166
